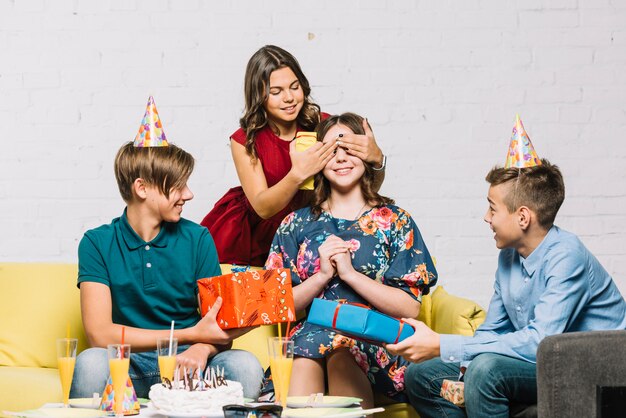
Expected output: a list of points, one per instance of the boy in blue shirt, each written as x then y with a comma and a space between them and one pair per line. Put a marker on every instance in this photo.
547, 283
140, 272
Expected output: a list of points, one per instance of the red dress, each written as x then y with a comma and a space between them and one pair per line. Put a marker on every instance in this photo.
241, 236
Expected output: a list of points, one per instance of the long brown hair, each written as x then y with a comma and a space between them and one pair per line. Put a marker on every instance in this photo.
321, 193
256, 90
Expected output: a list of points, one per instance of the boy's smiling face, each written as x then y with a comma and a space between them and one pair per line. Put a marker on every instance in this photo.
506, 227
168, 209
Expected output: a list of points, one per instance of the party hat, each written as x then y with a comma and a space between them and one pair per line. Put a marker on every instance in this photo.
151, 130
131, 403
521, 151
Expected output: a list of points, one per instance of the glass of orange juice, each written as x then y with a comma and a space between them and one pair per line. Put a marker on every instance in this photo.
281, 363
66, 360
119, 361
166, 352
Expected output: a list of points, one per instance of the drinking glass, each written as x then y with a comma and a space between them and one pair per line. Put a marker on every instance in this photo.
119, 361
166, 352
66, 360
281, 363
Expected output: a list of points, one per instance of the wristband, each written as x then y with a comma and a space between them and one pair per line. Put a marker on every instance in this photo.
382, 166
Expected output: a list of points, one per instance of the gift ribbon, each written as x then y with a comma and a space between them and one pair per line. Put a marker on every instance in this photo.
341, 303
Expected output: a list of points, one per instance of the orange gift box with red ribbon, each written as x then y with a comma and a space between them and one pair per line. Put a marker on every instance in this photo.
250, 298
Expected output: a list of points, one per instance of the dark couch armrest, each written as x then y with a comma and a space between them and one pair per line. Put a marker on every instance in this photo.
571, 366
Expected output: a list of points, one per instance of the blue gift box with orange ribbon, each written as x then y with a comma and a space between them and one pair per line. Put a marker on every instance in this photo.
358, 321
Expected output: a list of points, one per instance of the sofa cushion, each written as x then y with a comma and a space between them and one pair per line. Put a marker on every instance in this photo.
42, 300
24, 388
394, 409
256, 342
454, 315
426, 310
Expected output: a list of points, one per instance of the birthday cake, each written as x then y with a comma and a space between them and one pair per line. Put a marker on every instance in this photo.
202, 396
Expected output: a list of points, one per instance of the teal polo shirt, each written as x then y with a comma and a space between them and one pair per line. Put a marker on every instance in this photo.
151, 283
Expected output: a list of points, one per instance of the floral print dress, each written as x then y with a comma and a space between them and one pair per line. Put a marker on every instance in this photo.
386, 246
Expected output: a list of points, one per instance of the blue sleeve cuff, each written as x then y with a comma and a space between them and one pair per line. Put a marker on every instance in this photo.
451, 348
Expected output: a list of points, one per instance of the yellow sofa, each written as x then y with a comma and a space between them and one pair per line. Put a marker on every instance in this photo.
38, 300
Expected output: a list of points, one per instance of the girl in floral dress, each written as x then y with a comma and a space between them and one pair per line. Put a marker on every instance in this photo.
354, 245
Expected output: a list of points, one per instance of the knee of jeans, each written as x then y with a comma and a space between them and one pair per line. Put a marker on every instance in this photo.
244, 357
239, 363
415, 379
484, 366
90, 373
482, 375
412, 373
241, 366
92, 358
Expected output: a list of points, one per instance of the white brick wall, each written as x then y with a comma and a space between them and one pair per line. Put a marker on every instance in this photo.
440, 82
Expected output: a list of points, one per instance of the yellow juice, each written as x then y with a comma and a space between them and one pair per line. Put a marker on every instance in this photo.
66, 372
167, 365
281, 376
119, 376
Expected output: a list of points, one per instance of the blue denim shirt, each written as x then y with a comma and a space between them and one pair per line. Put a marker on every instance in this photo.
561, 287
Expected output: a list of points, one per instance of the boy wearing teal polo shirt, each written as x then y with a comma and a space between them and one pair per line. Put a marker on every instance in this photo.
139, 272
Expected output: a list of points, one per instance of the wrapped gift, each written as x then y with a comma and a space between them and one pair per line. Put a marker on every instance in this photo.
256, 297
304, 141
131, 403
453, 391
358, 321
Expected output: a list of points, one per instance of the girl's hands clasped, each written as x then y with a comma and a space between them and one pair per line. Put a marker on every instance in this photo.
329, 249
335, 254
343, 264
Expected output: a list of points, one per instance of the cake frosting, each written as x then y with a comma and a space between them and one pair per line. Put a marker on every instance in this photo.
196, 396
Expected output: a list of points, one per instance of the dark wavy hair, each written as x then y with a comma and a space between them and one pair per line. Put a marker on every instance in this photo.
321, 192
256, 90
540, 188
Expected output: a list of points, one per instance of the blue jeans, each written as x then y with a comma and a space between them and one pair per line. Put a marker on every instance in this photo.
92, 371
492, 381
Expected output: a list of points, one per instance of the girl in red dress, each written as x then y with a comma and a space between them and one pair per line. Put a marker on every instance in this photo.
277, 106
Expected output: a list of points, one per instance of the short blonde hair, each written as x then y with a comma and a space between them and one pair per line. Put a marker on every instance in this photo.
166, 168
